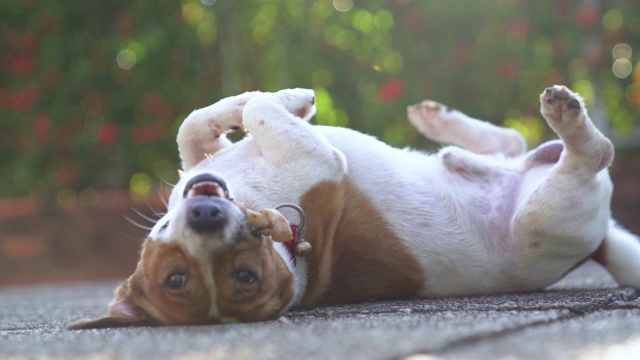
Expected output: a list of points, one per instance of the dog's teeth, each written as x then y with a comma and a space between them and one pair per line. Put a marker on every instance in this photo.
207, 188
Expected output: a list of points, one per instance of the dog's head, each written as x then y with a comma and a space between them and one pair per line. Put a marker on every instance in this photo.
208, 259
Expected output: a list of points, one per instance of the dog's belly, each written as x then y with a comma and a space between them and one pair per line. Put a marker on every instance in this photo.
457, 227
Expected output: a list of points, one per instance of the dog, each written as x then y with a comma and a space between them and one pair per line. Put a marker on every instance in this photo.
481, 216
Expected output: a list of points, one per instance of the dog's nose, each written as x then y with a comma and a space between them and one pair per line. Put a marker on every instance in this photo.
205, 216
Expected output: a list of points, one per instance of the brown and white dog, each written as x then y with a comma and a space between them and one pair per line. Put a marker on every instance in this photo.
383, 223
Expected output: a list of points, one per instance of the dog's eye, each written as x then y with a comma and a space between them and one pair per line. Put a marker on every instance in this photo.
164, 227
245, 276
175, 281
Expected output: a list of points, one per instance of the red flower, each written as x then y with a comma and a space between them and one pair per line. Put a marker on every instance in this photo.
555, 78
41, 124
507, 70
107, 133
519, 27
22, 99
143, 134
390, 90
29, 43
593, 56
66, 176
125, 24
94, 103
153, 103
23, 65
588, 16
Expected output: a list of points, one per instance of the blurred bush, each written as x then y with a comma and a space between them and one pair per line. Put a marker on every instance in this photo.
92, 92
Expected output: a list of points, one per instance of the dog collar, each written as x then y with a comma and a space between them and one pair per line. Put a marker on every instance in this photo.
296, 247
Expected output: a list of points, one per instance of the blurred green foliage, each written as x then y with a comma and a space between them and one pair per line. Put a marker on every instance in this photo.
92, 92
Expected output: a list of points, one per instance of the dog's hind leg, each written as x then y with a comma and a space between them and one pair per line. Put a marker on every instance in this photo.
437, 122
620, 254
203, 131
562, 213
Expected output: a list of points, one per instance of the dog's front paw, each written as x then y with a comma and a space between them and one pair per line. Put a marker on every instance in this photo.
299, 102
201, 132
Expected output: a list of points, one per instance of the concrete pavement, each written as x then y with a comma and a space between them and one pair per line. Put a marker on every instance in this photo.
584, 316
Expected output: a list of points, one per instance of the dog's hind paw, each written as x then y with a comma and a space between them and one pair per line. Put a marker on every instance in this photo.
429, 117
560, 105
566, 114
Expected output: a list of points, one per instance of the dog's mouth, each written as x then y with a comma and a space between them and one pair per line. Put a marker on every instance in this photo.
206, 185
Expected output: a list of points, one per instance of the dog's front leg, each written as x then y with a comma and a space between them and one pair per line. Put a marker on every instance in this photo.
278, 123
202, 132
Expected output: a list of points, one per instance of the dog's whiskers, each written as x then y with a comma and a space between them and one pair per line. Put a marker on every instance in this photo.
137, 224
156, 213
163, 195
168, 183
151, 220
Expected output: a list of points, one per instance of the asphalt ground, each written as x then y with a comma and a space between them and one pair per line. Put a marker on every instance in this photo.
584, 316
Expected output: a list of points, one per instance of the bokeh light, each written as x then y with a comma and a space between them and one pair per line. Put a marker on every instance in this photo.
622, 68
622, 51
140, 185
192, 13
343, 5
126, 59
67, 198
612, 20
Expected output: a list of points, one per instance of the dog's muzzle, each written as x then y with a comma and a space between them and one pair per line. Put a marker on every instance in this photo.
206, 195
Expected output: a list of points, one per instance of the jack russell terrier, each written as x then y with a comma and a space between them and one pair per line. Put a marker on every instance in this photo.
380, 223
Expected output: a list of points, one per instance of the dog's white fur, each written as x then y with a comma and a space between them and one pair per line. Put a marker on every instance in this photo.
484, 217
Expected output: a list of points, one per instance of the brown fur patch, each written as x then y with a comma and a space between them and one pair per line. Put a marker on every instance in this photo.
265, 298
189, 305
356, 256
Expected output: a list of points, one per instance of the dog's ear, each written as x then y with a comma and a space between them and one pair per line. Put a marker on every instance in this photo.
111, 322
123, 312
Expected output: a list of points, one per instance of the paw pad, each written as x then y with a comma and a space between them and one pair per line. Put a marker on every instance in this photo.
557, 94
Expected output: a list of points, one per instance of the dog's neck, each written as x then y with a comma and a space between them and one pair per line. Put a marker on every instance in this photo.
298, 267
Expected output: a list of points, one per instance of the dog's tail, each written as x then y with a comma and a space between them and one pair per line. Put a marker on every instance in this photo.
620, 254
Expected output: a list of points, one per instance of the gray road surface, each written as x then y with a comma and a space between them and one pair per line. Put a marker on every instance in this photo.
582, 317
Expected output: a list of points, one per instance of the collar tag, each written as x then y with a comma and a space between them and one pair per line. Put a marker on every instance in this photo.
296, 246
